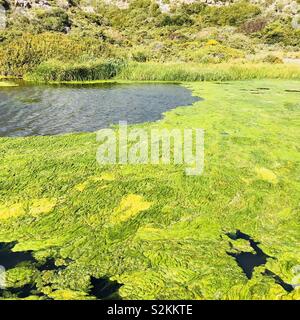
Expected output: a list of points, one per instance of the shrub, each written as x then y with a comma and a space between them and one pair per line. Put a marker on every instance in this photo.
215, 54
233, 15
280, 32
53, 20
139, 56
254, 25
240, 41
23, 53
272, 59
191, 8
174, 20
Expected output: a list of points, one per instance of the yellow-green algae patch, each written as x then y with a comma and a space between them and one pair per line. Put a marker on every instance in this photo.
8, 84
32, 207
11, 211
267, 175
129, 207
81, 186
68, 295
44, 205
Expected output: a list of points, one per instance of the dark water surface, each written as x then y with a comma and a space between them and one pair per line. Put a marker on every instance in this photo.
101, 288
9, 259
247, 261
30, 110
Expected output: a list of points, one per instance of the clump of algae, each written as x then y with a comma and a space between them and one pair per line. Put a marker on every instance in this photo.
129, 207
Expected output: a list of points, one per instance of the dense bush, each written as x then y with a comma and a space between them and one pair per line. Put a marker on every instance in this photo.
254, 25
215, 53
191, 8
22, 54
53, 20
281, 32
174, 20
272, 59
233, 15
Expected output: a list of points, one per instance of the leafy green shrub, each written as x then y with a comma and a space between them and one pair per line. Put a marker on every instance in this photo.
280, 32
53, 20
23, 53
140, 4
139, 56
253, 25
215, 53
174, 20
191, 8
233, 15
241, 42
272, 59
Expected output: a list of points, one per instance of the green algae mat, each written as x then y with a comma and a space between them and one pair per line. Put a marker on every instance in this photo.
150, 231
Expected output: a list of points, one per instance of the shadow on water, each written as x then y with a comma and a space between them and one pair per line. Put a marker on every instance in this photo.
102, 288
10, 259
286, 286
49, 264
247, 261
291, 90
22, 292
256, 91
32, 110
105, 289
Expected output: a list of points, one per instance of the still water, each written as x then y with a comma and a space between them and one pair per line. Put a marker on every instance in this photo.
30, 110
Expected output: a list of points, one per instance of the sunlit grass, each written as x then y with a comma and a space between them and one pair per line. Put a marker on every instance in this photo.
208, 72
54, 71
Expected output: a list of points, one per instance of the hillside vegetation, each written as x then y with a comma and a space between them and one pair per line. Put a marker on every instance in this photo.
77, 34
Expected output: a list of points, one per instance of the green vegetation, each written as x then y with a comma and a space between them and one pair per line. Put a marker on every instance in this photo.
23, 53
85, 71
198, 72
154, 229
54, 71
278, 32
78, 35
233, 15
